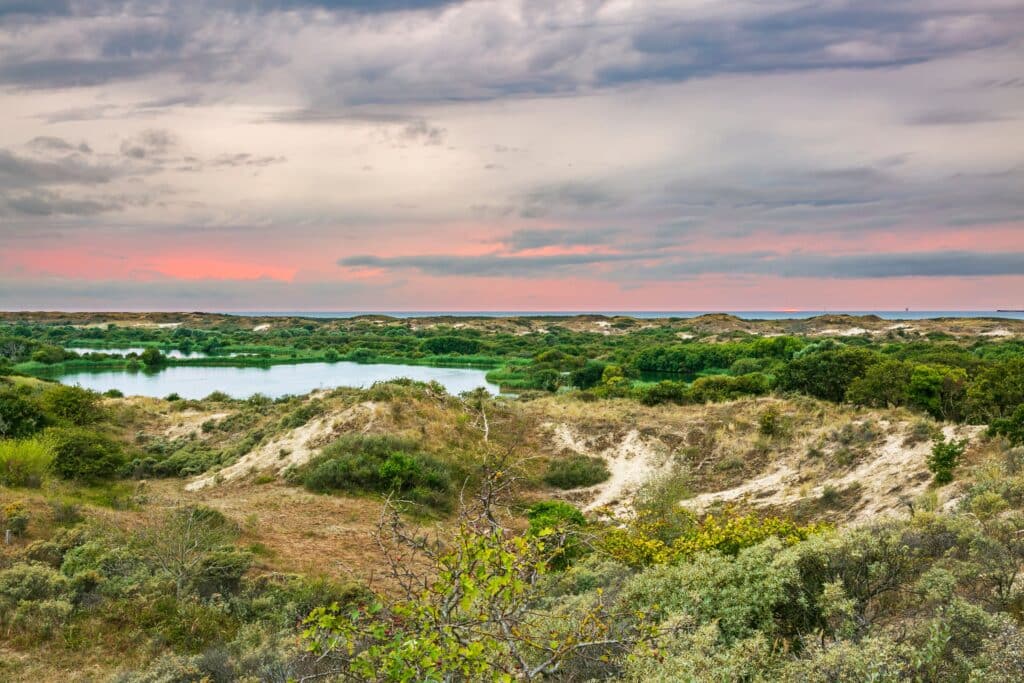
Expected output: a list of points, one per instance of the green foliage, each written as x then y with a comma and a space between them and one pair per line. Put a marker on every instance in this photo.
665, 391
83, 454
998, 390
24, 462
34, 600
562, 521
1011, 427
152, 358
939, 390
471, 618
447, 345
576, 471
380, 464
49, 355
72, 405
717, 388
770, 422
20, 414
589, 376
15, 518
884, 384
944, 458
827, 374
302, 414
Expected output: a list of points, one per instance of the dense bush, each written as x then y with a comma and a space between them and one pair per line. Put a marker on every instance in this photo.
84, 454
380, 464
446, 345
827, 374
20, 414
72, 404
576, 471
716, 388
1011, 427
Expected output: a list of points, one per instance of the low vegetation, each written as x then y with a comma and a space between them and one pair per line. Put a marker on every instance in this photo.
611, 532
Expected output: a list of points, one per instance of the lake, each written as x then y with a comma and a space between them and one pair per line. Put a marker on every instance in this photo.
272, 381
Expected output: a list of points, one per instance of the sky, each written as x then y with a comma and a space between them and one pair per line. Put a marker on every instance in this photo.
511, 155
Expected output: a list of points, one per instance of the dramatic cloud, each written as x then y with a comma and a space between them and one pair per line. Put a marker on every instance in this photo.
510, 153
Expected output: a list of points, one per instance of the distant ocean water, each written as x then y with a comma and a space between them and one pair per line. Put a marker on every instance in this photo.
747, 315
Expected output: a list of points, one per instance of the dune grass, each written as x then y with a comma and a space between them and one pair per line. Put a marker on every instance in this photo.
24, 462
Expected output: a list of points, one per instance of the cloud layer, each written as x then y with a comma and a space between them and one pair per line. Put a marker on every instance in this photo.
509, 153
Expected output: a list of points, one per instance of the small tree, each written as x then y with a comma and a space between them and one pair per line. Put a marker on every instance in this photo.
193, 546
152, 358
466, 609
945, 456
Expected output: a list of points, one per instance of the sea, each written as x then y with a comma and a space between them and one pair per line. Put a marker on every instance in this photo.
746, 315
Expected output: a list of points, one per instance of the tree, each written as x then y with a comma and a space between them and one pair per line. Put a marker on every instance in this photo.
885, 384
997, 391
152, 358
193, 545
940, 390
826, 374
466, 609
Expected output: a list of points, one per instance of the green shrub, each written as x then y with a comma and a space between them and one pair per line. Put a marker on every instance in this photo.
944, 458
1011, 427
379, 464
15, 518
446, 345
665, 391
576, 471
303, 414
73, 405
27, 581
562, 522
770, 422
20, 414
24, 462
83, 454
716, 388
152, 358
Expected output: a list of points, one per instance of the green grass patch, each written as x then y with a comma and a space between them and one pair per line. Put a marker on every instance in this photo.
576, 471
24, 462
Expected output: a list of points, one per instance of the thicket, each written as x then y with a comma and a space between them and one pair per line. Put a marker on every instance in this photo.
380, 464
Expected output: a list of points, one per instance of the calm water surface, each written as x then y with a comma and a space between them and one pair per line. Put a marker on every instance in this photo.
273, 381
